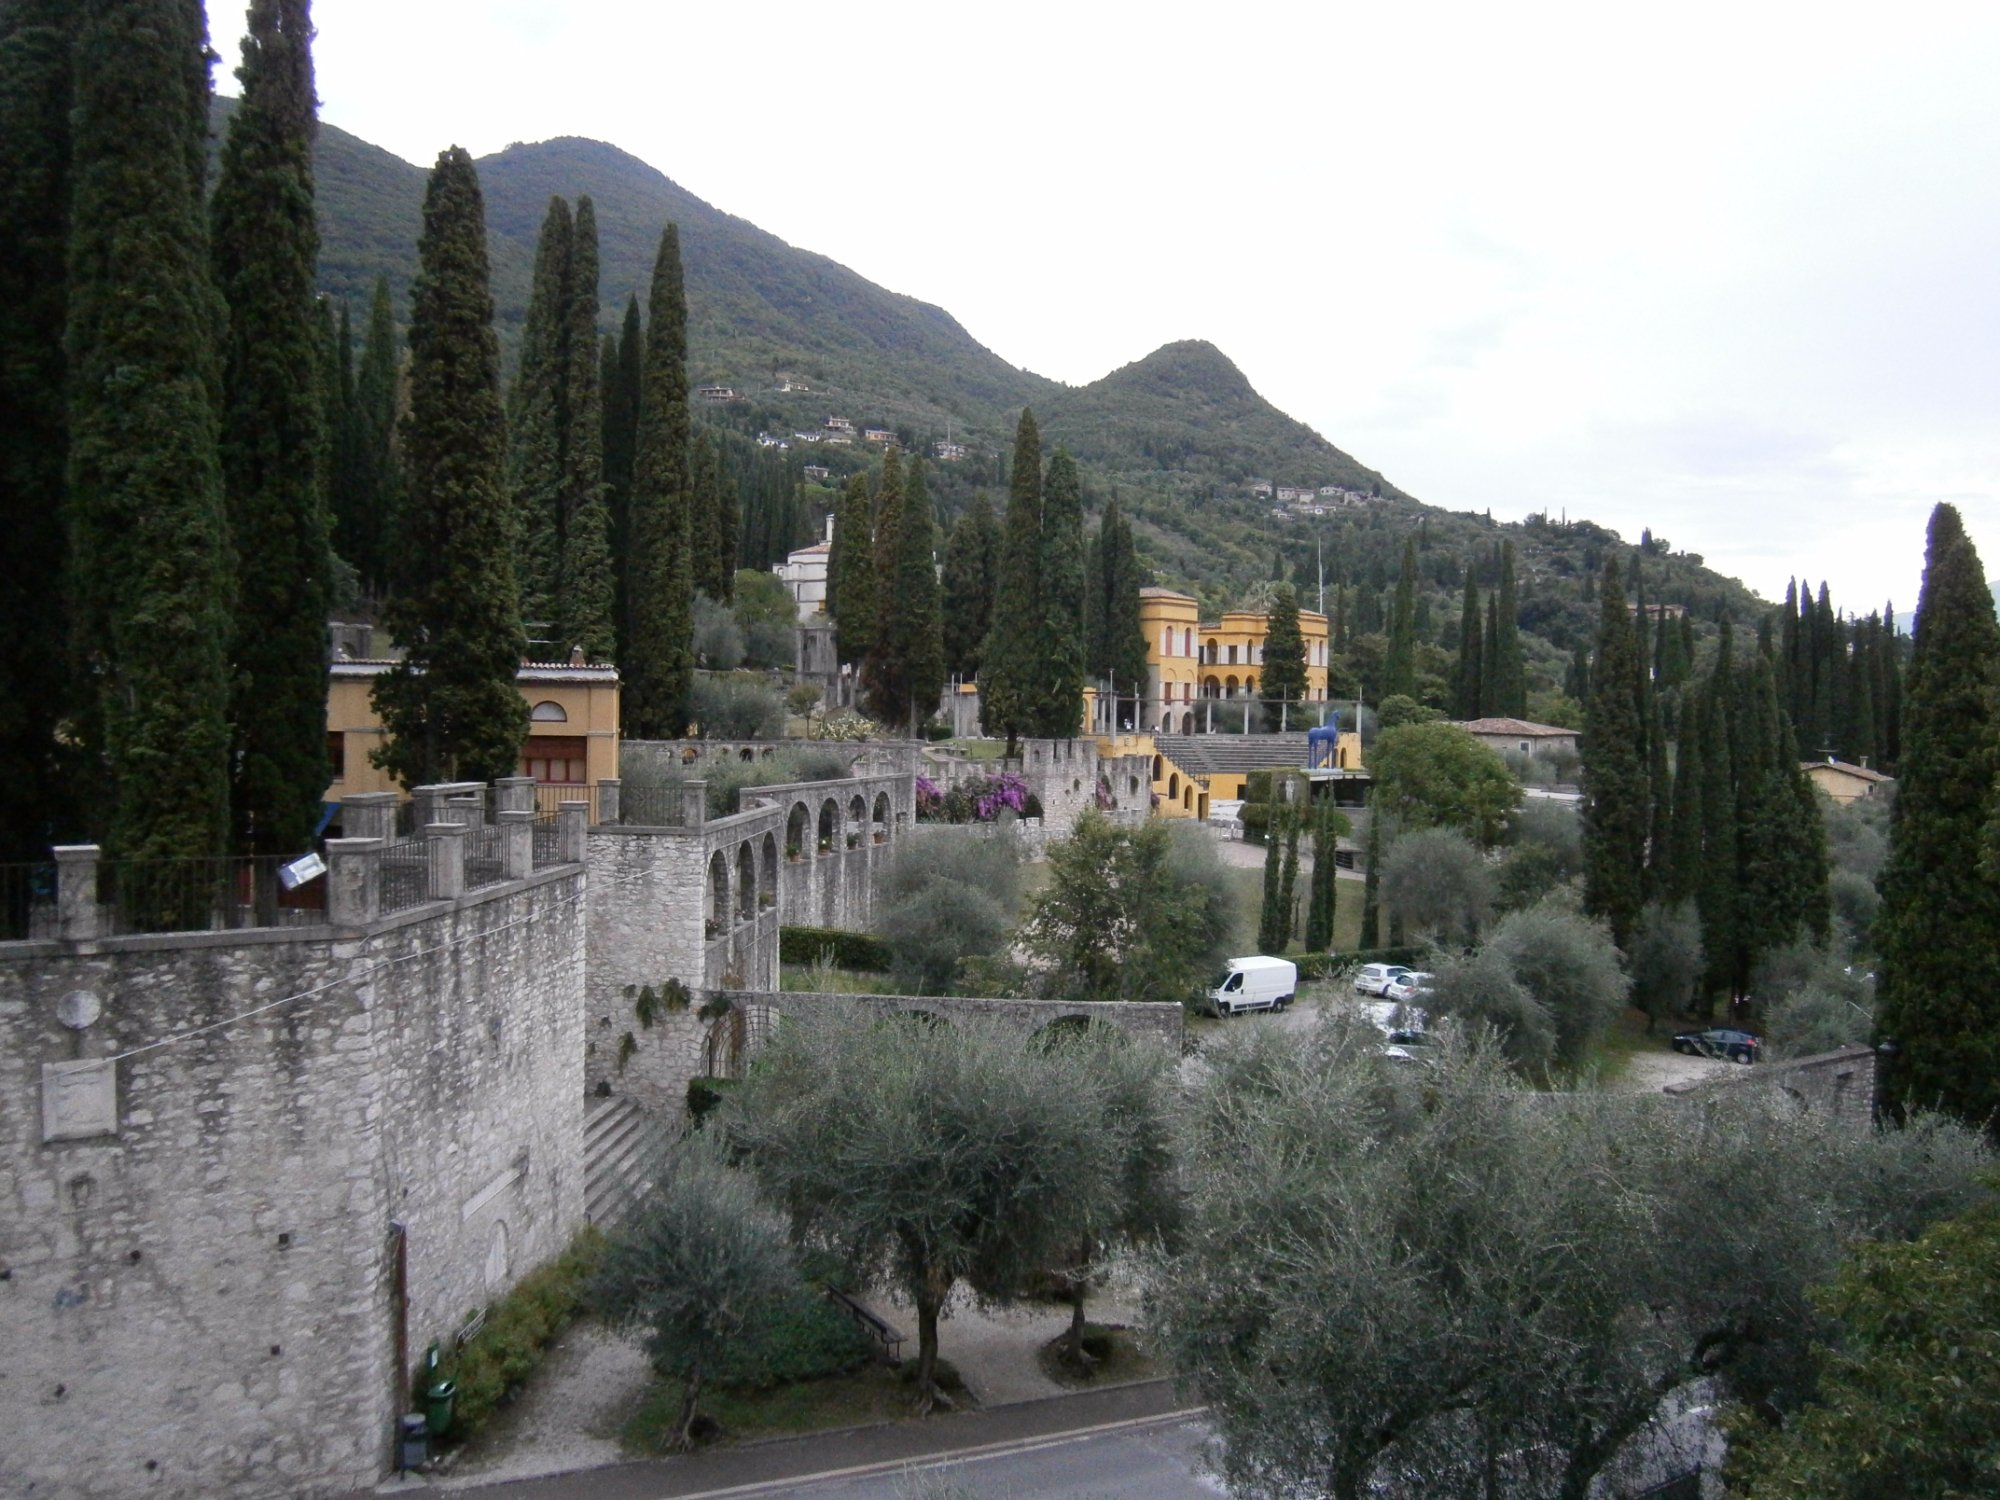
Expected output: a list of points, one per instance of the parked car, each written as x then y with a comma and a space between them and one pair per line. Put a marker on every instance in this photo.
1720, 1041
1375, 979
1409, 985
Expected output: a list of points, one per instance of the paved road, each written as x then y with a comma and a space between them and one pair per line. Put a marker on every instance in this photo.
1101, 1436
1156, 1460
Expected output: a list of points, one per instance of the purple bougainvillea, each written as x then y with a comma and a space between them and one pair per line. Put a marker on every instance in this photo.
977, 799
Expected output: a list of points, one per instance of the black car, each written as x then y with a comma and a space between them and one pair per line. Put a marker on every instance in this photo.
1720, 1041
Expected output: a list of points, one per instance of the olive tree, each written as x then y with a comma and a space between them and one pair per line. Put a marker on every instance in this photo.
1438, 885
1449, 1283
929, 1154
702, 1260
1568, 963
948, 895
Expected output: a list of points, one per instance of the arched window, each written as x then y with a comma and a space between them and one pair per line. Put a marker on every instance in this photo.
1174, 784
547, 712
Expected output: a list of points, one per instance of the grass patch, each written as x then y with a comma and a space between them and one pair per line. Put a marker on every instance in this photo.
1612, 1055
874, 1393
816, 979
1249, 885
978, 749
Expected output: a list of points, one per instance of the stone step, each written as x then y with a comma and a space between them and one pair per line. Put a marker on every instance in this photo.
621, 1144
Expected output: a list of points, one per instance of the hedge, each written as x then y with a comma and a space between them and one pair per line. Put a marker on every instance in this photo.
857, 952
1322, 965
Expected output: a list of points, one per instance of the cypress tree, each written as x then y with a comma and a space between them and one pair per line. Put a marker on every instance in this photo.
914, 627
1682, 878
705, 471
850, 572
1489, 660
1718, 894
1371, 886
1466, 697
1399, 666
37, 687
971, 557
1938, 931
659, 661
883, 676
1008, 664
1056, 709
1273, 928
1125, 636
1616, 804
1322, 896
727, 531
273, 437
1096, 605
621, 365
1780, 837
1288, 877
1510, 681
375, 482
1284, 679
451, 705
535, 426
333, 398
586, 588
149, 575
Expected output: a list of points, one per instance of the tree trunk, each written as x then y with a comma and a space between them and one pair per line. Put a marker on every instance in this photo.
930, 1301
684, 1428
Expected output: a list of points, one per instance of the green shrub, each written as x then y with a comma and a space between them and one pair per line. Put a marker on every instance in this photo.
858, 952
803, 1337
495, 1362
706, 1095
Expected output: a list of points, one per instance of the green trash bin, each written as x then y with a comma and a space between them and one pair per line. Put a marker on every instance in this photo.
438, 1402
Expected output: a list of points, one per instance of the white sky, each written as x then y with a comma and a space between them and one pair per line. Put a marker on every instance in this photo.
1730, 272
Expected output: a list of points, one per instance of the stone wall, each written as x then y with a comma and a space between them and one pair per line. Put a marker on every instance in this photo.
1839, 1084
684, 1045
199, 1234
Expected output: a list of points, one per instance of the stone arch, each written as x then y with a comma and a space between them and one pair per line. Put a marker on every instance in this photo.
1229, 684
1208, 651
1210, 685
767, 873
1250, 685
746, 755
770, 752
1174, 784
798, 833
1187, 722
717, 912
1067, 1029
689, 755
857, 814
881, 818
746, 882
829, 825
1159, 767
735, 1037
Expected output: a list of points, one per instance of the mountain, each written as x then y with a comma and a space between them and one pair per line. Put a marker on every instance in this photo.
1178, 434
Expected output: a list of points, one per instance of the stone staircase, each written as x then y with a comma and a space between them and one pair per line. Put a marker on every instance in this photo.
1208, 754
621, 1144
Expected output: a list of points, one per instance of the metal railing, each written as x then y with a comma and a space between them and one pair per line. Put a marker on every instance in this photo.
485, 861
659, 806
406, 874
27, 900
551, 795
203, 895
547, 841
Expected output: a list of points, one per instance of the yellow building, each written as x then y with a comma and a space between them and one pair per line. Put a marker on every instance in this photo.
1193, 669
572, 739
1842, 782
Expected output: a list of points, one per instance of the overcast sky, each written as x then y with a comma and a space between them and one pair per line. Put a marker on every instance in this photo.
1730, 273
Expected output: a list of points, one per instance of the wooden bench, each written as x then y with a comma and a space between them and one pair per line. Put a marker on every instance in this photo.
872, 1323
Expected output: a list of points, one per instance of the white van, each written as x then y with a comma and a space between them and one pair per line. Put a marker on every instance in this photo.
1256, 983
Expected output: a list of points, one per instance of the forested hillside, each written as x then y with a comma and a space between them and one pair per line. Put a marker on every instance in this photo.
1177, 435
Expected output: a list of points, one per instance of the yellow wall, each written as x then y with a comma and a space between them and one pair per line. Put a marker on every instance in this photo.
1187, 660
587, 696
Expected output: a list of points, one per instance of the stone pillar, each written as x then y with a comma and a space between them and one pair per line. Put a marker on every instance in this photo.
430, 803
514, 794
517, 842
76, 891
445, 845
467, 812
694, 803
572, 823
369, 815
353, 881
607, 800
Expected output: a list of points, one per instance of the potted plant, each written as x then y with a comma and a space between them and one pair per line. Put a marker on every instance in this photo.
710, 927
792, 853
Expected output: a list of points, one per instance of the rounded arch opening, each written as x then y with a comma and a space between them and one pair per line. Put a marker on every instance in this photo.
798, 832
746, 883
717, 913
548, 712
767, 873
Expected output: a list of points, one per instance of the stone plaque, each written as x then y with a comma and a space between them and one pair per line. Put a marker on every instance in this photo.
79, 1099
79, 1010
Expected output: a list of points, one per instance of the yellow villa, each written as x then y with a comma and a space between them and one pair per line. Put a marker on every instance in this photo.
572, 741
1193, 669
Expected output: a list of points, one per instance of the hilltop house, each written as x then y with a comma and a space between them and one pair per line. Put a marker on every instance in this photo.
1522, 736
1845, 783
